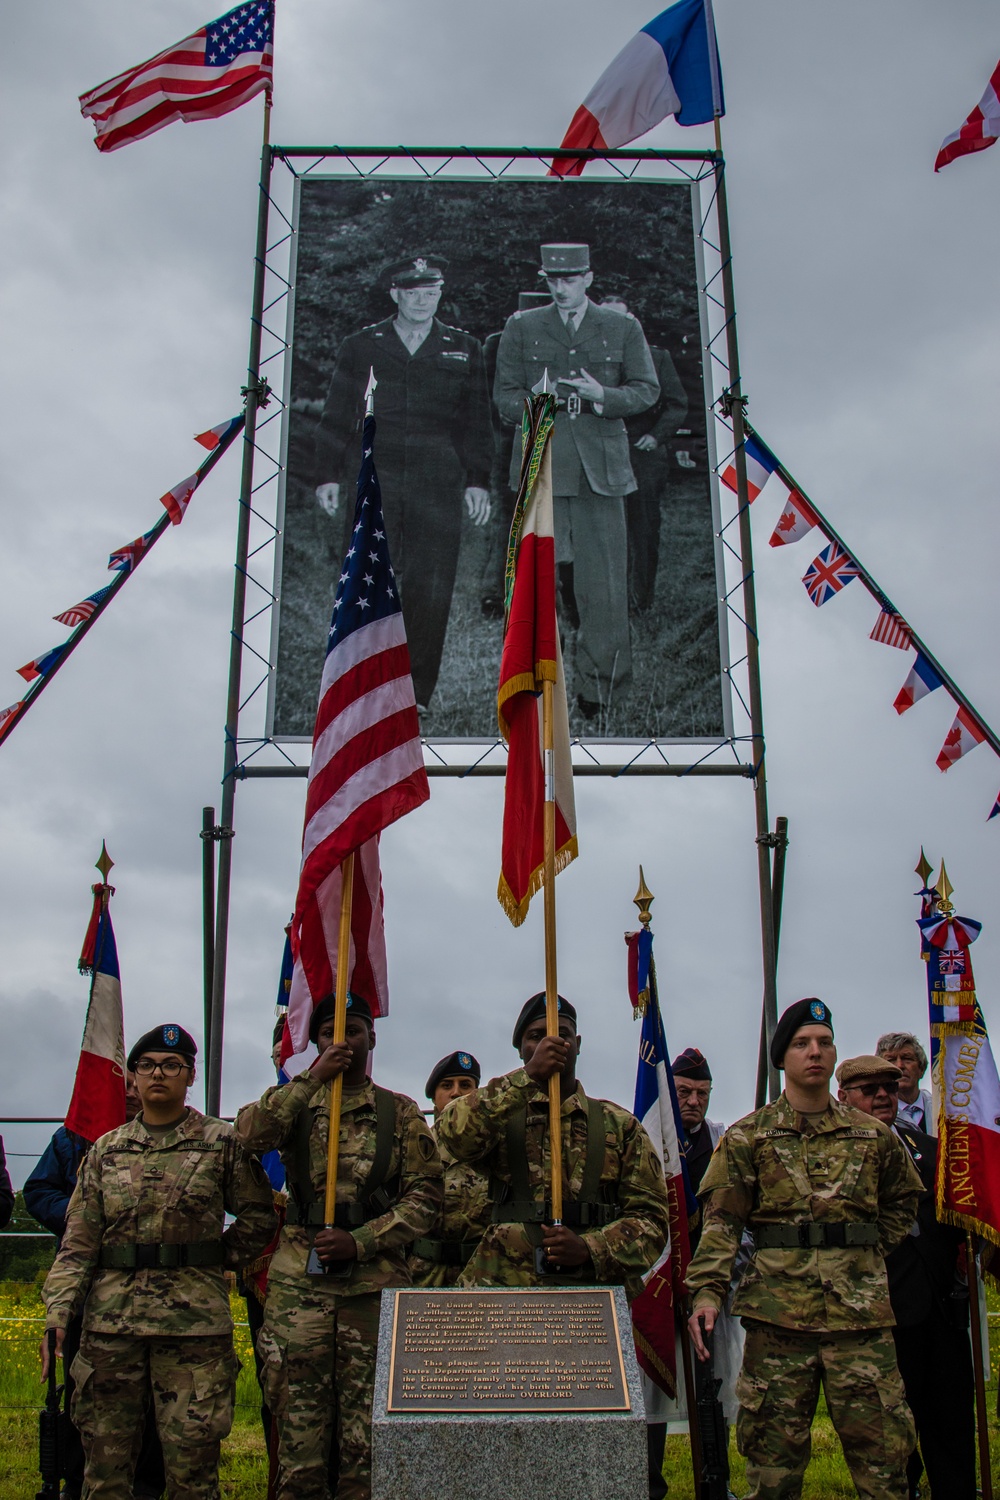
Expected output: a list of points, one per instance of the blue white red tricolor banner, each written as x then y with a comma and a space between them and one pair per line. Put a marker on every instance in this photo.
98, 1102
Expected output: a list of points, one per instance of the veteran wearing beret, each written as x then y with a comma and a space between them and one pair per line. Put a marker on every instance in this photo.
828, 1193
614, 1222
598, 363
435, 446
440, 1258
320, 1332
143, 1253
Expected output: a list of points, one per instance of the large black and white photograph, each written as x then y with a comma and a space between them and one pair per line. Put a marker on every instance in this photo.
464, 296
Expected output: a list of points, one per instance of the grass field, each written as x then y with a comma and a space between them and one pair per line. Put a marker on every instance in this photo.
244, 1466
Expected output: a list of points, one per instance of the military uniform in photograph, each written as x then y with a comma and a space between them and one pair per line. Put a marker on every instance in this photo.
320, 1333
144, 1252
827, 1198
591, 465
644, 508
439, 1259
435, 439
614, 1196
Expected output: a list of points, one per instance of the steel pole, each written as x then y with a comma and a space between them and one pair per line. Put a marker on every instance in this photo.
236, 640
208, 919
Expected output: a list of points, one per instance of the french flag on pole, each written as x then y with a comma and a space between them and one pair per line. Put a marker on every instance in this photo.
98, 1102
670, 67
922, 679
761, 464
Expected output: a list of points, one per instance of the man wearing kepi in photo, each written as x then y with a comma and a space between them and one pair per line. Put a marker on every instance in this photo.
144, 1252
929, 1302
440, 1258
827, 1193
320, 1332
915, 1104
614, 1220
598, 363
435, 446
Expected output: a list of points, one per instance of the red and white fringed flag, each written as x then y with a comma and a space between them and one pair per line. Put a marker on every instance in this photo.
215, 70
98, 1102
892, 630
367, 767
963, 736
980, 130
532, 656
796, 520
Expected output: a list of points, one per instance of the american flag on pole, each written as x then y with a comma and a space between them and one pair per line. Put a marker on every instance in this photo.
828, 573
98, 1102
892, 630
79, 613
367, 768
216, 69
980, 130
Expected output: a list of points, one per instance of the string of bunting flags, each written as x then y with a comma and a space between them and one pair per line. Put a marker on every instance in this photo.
123, 561
830, 572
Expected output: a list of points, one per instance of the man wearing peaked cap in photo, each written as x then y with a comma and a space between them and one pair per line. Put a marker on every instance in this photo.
599, 366
614, 1222
439, 1259
828, 1193
434, 446
930, 1301
144, 1252
320, 1332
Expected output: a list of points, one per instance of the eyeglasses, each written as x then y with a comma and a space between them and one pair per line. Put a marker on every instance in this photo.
170, 1068
869, 1090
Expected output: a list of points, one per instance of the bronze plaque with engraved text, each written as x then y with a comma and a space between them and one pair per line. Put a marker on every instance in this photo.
494, 1349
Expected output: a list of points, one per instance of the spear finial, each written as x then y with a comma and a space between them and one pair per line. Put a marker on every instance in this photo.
370, 392
104, 863
944, 888
923, 867
643, 899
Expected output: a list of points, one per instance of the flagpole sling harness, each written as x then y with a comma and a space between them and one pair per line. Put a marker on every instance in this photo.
308, 1210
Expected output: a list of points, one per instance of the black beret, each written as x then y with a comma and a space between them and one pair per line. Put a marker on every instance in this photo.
357, 1007
534, 1008
691, 1064
168, 1038
809, 1012
455, 1065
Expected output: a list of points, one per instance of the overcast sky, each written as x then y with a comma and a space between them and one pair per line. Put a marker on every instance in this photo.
866, 291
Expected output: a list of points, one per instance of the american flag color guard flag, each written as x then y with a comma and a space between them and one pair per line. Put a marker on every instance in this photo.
892, 630
367, 767
98, 1102
532, 654
216, 69
828, 573
83, 611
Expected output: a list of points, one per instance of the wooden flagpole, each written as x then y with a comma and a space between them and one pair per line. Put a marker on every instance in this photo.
339, 1033
551, 983
976, 1329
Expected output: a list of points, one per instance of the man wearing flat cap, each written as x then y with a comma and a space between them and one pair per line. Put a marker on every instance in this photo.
434, 446
929, 1299
614, 1222
440, 1258
320, 1332
144, 1253
598, 364
827, 1193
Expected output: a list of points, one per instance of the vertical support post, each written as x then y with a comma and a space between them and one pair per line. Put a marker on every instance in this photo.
551, 982
978, 1367
734, 402
777, 893
208, 919
236, 641
339, 1033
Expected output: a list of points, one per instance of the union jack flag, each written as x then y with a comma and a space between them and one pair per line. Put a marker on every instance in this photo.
83, 611
892, 630
828, 573
124, 559
952, 963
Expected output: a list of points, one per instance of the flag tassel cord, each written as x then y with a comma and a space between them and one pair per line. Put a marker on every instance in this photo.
976, 1330
551, 980
339, 1034
880, 596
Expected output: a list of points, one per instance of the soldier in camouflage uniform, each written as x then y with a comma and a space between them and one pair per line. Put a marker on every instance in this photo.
144, 1252
614, 1192
320, 1333
438, 1259
827, 1192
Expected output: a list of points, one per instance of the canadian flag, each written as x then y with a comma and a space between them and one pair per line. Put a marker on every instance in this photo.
177, 500
963, 736
796, 520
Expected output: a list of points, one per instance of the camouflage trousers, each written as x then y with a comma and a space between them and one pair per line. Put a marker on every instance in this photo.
778, 1389
318, 1349
190, 1383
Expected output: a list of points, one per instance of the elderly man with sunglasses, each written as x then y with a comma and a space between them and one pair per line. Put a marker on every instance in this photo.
929, 1301
144, 1254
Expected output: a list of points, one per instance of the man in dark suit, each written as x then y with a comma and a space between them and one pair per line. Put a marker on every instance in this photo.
435, 446
928, 1303
597, 361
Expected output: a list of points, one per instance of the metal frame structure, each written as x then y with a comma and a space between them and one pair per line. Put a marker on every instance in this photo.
259, 756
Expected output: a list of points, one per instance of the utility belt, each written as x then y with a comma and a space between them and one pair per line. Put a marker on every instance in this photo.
345, 1216
813, 1236
445, 1252
575, 1215
143, 1257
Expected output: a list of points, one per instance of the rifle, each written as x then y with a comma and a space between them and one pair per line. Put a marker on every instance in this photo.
712, 1428
50, 1445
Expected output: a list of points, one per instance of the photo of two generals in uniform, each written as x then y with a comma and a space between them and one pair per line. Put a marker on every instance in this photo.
477, 312
818, 1259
